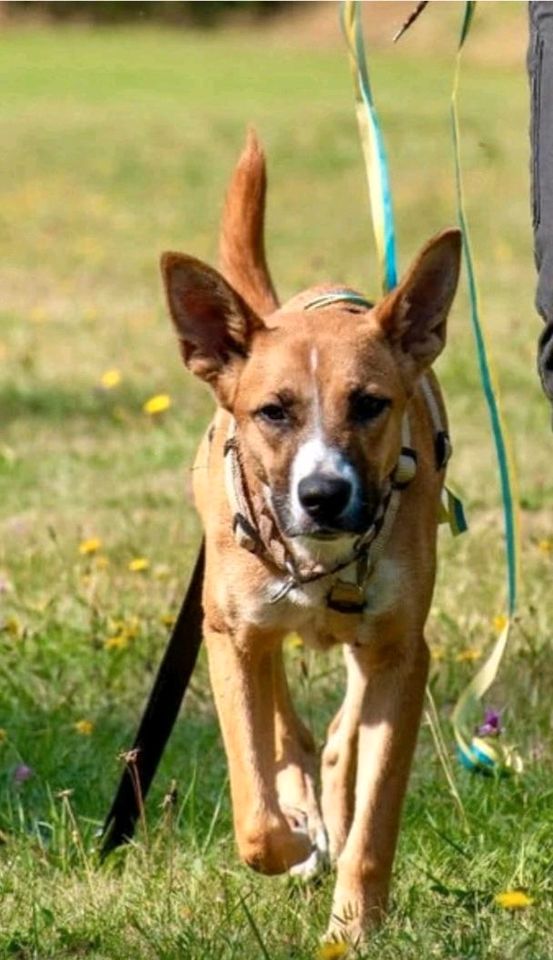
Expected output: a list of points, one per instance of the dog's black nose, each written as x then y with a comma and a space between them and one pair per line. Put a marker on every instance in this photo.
324, 497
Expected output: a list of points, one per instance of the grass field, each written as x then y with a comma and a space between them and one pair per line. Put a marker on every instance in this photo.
115, 146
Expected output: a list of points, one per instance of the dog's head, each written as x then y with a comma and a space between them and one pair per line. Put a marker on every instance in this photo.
318, 396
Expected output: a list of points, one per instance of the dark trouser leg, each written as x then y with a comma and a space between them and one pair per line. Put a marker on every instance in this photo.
540, 70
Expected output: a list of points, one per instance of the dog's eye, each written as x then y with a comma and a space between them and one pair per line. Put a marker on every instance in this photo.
273, 413
366, 406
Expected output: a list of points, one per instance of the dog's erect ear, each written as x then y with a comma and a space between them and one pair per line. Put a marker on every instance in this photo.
413, 316
214, 324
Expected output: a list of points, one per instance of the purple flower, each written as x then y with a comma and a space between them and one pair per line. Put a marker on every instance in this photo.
492, 724
22, 773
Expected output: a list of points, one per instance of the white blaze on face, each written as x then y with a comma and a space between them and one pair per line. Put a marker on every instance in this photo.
314, 366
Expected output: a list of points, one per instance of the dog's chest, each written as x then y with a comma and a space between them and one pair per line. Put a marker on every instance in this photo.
304, 608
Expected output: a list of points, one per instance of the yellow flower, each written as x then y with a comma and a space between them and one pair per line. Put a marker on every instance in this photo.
12, 626
546, 546
110, 379
499, 622
90, 546
84, 727
468, 655
118, 642
513, 900
3, 735
139, 565
332, 951
167, 619
157, 404
131, 627
294, 641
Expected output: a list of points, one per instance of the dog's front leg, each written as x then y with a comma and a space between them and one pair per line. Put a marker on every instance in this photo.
296, 758
241, 671
395, 677
339, 759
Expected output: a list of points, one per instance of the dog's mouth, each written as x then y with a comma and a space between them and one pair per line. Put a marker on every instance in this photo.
325, 534
352, 527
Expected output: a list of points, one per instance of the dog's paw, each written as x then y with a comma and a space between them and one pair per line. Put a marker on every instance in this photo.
317, 861
342, 939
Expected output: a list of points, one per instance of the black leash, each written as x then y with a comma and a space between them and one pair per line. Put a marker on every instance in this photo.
159, 716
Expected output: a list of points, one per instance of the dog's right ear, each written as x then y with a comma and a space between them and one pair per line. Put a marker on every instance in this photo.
214, 324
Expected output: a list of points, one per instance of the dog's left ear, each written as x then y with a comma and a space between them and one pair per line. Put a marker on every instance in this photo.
214, 324
413, 316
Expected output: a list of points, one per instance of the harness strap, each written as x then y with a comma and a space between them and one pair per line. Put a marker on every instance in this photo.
339, 296
442, 444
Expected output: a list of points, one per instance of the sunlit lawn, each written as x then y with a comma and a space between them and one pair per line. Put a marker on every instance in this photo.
115, 146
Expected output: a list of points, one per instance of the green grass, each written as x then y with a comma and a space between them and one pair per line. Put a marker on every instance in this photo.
115, 146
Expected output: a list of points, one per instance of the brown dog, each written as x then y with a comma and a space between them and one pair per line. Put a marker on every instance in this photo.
319, 489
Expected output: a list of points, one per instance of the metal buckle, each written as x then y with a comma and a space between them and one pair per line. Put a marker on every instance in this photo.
346, 597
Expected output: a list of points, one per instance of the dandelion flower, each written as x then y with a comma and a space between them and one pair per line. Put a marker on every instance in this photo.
332, 951
167, 619
499, 622
84, 727
513, 900
139, 565
110, 379
12, 626
119, 642
294, 641
468, 655
157, 404
92, 545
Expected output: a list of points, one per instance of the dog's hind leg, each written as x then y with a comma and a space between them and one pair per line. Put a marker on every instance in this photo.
241, 670
395, 675
296, 773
